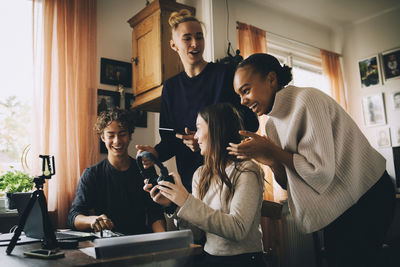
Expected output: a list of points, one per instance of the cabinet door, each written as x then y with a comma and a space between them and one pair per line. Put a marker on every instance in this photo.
146, 45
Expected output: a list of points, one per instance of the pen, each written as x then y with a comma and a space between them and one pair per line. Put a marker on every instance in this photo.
166, 129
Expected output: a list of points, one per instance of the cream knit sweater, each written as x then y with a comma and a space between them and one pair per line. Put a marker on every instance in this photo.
231, 228
335, 164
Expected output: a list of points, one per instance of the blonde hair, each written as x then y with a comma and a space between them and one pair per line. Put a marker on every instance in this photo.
179, 17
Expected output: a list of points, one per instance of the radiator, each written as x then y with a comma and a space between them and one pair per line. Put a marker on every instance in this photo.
298, 248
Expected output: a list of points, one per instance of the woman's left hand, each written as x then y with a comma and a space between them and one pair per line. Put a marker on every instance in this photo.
177, 192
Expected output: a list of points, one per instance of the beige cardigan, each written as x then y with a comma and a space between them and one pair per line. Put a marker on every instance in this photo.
232, 228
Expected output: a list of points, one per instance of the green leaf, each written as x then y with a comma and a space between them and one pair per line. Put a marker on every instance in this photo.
15, 181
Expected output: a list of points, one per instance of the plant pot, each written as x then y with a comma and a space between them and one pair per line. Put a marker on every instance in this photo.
18, 200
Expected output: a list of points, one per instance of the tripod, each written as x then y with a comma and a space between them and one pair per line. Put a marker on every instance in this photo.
49, 240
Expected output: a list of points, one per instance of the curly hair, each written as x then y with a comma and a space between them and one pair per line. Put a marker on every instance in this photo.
124, 118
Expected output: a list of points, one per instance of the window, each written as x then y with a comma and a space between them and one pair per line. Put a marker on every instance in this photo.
305, 61
16, 81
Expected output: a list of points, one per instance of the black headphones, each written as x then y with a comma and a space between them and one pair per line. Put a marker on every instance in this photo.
150, 173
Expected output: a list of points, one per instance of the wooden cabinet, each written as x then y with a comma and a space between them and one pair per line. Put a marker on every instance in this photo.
153, 59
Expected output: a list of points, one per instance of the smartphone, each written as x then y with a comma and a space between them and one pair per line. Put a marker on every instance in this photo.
44, 254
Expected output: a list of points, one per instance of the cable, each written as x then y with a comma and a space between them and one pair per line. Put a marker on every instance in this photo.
12, 229
227, 31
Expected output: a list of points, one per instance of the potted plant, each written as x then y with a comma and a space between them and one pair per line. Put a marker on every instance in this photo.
17, 184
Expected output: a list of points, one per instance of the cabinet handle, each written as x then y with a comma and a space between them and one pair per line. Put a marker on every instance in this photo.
136, 60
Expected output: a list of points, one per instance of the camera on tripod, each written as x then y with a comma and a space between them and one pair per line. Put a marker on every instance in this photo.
48, 170
49, 239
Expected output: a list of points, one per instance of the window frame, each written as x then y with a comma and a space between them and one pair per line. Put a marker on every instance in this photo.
295, 55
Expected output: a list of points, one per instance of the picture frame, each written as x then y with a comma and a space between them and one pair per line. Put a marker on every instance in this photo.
391, 64
396, 162
374, 110
115, 72
383, 137
129, 99
369, 71
395, 133
396, 100
106, 100
140, 115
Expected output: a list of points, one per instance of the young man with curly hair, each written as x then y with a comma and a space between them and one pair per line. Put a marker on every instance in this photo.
109, 194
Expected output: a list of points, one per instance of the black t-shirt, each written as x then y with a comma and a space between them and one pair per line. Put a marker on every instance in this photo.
103, 189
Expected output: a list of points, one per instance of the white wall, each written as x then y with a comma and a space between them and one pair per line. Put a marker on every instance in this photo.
361, 40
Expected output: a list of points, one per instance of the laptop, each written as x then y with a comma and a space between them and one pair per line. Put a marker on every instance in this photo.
140, 244
34, 225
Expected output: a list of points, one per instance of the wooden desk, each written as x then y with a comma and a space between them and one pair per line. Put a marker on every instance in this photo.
74, 257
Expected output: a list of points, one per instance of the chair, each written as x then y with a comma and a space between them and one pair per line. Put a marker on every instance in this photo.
284, 244
271, 225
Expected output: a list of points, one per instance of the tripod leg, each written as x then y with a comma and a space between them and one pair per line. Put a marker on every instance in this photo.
49, 240
22, 222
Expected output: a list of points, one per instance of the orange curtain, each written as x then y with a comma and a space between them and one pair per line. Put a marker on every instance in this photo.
253, 40
65, 94
331, 68
250, 40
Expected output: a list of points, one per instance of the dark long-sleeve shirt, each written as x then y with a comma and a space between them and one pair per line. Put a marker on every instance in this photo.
103, 189
182, 98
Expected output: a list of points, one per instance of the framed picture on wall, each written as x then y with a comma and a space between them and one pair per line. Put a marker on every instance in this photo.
106, 100
140, 116
395, 132
374, 110
396, 100
129, 99
383, 137
369, 71
115, 72
391, 64
396, 161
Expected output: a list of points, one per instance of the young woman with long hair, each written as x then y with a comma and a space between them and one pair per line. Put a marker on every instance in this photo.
227, 193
